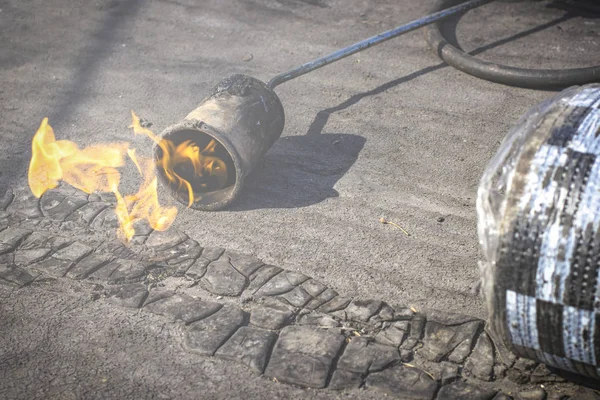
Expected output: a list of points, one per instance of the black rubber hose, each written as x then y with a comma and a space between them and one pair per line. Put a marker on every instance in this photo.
507, 75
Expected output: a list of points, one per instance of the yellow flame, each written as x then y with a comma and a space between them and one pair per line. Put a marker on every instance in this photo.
204, 162
91, 169
94, 169
144, 204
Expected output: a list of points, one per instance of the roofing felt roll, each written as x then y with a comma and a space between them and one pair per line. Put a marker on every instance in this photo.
539, 227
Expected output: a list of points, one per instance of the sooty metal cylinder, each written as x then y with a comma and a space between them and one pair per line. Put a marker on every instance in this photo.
204, 159
539, 227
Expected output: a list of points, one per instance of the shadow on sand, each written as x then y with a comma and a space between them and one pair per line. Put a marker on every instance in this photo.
300, 171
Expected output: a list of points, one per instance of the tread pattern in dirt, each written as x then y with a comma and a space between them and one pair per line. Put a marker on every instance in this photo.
279, 323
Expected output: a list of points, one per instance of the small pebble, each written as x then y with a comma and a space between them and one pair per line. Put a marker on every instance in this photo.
441, 219
535, 394
248, 57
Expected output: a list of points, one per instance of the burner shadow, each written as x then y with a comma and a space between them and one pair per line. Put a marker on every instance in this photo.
300, 171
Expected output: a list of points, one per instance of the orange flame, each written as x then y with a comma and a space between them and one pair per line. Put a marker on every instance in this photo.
204, 162
94, 169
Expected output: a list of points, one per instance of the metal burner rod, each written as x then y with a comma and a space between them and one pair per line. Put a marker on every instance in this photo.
372, 41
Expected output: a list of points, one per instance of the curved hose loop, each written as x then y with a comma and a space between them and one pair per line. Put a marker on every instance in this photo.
513, 76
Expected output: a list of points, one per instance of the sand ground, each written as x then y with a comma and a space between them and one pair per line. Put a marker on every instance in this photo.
390, 132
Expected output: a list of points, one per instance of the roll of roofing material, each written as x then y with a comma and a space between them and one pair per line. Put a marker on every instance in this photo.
539, 227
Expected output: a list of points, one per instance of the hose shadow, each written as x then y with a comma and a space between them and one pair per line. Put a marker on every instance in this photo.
300, 171
448, 27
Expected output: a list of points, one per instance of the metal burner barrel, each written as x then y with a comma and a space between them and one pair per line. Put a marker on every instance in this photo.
245, 117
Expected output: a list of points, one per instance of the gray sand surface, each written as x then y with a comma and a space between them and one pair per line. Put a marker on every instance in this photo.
389, 132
